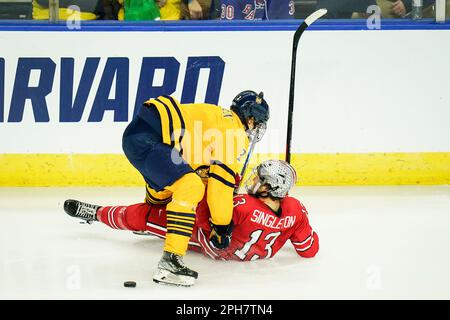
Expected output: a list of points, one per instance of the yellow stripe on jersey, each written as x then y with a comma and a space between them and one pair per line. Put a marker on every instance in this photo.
166, 119
179, 125
172, 121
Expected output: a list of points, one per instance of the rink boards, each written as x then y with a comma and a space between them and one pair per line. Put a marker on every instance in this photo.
371, 107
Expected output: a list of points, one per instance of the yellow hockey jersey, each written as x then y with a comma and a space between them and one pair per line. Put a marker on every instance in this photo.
210, 139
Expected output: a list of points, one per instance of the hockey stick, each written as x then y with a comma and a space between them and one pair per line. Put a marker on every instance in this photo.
298, 33
253, 142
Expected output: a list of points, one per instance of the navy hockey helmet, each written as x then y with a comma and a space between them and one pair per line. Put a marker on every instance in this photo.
250, 104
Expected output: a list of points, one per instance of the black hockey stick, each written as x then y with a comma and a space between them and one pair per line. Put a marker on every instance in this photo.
298, 33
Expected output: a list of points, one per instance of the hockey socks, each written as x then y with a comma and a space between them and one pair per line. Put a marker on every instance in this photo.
133, 218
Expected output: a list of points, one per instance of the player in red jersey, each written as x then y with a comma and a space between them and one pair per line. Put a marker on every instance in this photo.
263, 220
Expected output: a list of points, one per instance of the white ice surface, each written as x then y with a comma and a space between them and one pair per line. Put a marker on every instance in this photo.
375, 243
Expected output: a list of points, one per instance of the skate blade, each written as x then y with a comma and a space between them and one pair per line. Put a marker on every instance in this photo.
168, 278
143, 233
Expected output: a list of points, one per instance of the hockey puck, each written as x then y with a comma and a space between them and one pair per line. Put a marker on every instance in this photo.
129, 284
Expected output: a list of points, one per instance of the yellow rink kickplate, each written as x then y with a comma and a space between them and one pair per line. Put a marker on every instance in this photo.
425, 168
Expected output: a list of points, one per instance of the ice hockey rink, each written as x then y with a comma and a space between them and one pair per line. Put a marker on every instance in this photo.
371, 112
386, 242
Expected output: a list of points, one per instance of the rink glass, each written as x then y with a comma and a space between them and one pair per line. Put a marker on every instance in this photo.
54, 10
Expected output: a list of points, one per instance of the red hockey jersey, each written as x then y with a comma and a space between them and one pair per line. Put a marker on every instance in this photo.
258, 232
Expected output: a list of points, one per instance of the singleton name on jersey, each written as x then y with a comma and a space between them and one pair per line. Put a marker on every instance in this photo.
270, 221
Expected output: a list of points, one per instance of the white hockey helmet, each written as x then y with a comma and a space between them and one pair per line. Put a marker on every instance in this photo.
279, 175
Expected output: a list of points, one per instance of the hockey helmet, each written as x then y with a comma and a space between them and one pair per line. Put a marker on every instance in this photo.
249, 104
278, 175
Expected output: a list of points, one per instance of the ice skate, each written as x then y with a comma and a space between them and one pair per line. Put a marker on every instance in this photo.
81, 210
172, 271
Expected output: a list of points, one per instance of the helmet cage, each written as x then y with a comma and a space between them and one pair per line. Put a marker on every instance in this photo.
279, 175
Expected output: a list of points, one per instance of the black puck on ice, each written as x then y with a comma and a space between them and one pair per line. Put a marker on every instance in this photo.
129, 284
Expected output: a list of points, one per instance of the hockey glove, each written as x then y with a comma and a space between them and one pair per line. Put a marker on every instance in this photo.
220, 236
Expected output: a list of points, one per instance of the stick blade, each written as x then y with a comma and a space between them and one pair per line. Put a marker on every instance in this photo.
315, 16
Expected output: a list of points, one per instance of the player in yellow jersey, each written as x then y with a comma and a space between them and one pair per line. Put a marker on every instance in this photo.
181, 148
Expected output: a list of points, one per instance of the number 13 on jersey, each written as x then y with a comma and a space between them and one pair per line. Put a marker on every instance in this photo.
254, 238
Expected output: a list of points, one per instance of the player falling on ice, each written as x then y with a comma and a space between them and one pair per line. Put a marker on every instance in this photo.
171, 145
263, 220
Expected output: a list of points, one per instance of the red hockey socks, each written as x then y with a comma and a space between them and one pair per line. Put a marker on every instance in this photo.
132, 217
